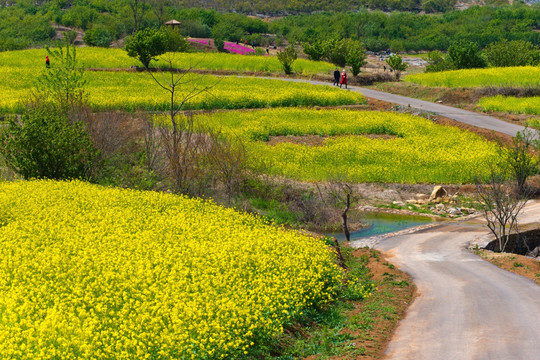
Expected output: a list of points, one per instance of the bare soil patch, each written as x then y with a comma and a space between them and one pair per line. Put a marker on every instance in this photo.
518, 264
318, 140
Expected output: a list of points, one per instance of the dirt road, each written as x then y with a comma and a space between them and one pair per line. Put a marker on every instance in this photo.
467, 308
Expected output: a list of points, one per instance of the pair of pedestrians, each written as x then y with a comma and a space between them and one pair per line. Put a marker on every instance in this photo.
340, 79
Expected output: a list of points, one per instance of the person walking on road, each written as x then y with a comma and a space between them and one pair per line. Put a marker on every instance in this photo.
336, 77
343, 79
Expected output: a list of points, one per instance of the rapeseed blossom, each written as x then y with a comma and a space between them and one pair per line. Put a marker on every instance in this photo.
88, 272
415, 149
505, 76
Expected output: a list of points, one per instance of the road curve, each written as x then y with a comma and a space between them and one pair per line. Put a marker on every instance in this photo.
464, 116
467, 308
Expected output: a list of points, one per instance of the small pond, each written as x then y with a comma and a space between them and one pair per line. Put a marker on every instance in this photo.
383, 223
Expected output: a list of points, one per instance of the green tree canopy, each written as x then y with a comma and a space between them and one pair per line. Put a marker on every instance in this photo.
146, 45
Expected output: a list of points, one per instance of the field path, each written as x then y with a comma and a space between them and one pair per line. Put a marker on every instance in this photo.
464, 116
467, 308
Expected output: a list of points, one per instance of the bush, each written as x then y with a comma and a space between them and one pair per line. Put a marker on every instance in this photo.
511, 53
195, 29
465, 54
146, 44
175, 42
44, 143
286, 58
220, 45
356, 58
438, 62
98, 36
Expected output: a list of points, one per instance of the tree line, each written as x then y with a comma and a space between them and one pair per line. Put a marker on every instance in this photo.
27, 23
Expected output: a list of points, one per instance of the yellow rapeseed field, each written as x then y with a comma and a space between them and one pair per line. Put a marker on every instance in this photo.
505, 76
88, 272
417, 150
524, 105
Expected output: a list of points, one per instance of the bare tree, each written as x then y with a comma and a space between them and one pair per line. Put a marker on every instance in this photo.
138, 8
184, 142
227, 160
343, 195
159, 8
501, 202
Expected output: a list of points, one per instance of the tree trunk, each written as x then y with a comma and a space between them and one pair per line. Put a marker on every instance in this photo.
344, 223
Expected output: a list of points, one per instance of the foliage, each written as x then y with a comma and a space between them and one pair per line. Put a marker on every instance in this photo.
316, 51
415, 32
414, 151
174, 40
98, 36
464, 54
220, 45
396, 64
145, 45
112, 273
437, 61
431, 6
356, 58
286, 57
45, 143
227, 31
62, 83
29, 24
509, 76
511, 53
49, 140
518, 160
339, 52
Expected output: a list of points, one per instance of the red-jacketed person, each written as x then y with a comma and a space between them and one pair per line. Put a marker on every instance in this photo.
343, 80
47, 62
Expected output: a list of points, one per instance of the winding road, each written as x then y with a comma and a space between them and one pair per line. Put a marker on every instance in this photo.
467, 308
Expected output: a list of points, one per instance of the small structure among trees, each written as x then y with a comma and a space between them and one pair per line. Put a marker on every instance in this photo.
173, 24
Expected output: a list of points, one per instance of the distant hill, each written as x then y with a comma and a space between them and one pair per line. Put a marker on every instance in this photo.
282, 7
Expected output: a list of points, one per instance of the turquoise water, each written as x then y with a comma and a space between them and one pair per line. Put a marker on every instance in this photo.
381, 223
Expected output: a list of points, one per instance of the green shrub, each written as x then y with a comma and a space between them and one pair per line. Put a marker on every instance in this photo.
44, 143
98, 36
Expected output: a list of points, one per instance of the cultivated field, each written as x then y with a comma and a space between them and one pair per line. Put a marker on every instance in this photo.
496, 77
530, 105
94, 57
93, 272
138, 91
357, 146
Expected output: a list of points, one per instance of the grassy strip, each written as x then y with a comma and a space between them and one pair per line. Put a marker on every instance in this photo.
351, 327
518, 264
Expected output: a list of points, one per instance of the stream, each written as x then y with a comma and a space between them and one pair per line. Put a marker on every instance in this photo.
383, 223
